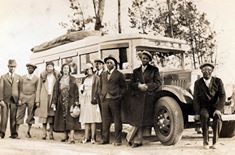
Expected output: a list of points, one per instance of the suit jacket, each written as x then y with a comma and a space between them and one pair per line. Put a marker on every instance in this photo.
212, 97
142, 103
10, 89
115, 85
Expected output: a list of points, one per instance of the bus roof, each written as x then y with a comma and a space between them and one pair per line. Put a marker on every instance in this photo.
91, 41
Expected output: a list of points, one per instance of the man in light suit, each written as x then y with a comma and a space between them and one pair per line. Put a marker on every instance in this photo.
9, 97
29, 87
112, 88
209, 99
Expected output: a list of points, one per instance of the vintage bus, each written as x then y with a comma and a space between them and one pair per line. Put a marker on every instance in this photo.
173, 106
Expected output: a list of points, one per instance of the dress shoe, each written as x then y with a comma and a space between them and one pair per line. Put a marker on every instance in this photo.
103, 142
65, 139
84, 141
2, 135
135, 145
51, 137
214, 146
206, 147
93, 141
28, 135
72, 142
117, 144
44, 137
15, 136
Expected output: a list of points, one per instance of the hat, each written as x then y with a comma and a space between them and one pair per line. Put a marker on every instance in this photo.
50, 63
112, 58
12, 62
148, 54
99, 60
88, 66
207, 64
29, 64
75, 111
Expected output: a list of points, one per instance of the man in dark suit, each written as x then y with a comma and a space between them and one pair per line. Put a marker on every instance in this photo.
209, 99
99, 65
9, 97
145, 81
112, 87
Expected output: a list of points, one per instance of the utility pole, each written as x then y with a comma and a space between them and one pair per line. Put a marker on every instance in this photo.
169, 18
119, 17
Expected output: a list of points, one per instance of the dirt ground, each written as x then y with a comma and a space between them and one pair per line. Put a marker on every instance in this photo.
190, 144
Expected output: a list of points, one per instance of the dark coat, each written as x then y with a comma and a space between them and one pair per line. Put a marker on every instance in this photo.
115, 86
71, 123
142, 103
212, 97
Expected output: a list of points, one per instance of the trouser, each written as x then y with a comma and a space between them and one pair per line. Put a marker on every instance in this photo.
12, 107
138, 138
111, 110
205, 115
21, 113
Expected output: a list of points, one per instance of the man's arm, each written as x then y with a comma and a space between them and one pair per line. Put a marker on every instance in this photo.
156, 83
222, 96
196, 103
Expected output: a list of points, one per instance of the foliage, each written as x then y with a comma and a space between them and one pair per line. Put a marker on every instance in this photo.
180, 19
78, 20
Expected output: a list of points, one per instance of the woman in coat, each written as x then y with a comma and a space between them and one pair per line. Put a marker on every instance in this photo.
43, 98
90, 111
65, 96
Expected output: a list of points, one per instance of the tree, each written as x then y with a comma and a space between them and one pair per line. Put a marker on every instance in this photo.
185, 22
78, 21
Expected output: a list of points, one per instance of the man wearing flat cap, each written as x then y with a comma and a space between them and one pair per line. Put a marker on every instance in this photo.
9, 96
29, 87
112, 88
145, 81
209, 99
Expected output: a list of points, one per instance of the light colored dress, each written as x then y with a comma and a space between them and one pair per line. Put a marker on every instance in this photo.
89, 113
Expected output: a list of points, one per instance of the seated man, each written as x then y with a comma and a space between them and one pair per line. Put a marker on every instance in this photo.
209, 99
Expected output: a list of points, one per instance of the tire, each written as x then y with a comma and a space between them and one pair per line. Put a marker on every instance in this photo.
168, 121
228, 129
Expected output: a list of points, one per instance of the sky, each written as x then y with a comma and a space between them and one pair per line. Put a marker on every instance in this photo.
25, 24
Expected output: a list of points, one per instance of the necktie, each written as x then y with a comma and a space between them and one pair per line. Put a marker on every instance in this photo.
12, 77
108, 74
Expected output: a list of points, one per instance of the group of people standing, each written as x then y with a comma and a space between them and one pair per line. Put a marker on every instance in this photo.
53, 96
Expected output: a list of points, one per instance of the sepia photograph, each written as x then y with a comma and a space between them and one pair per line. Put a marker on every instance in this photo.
117, 77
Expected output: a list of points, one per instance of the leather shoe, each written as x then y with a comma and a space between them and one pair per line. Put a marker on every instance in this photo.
28, 135
2, 135
117, 144
134, 145
103, 142
14, 136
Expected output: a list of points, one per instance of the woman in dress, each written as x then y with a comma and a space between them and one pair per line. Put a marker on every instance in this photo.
43, 98
65, 96
90, 111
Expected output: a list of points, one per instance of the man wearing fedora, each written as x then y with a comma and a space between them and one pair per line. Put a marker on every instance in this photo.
145, 81
99, 64
9, 94
27, 97
112, 88
209, 99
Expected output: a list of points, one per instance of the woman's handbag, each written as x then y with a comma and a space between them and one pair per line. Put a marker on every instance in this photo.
75, 111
